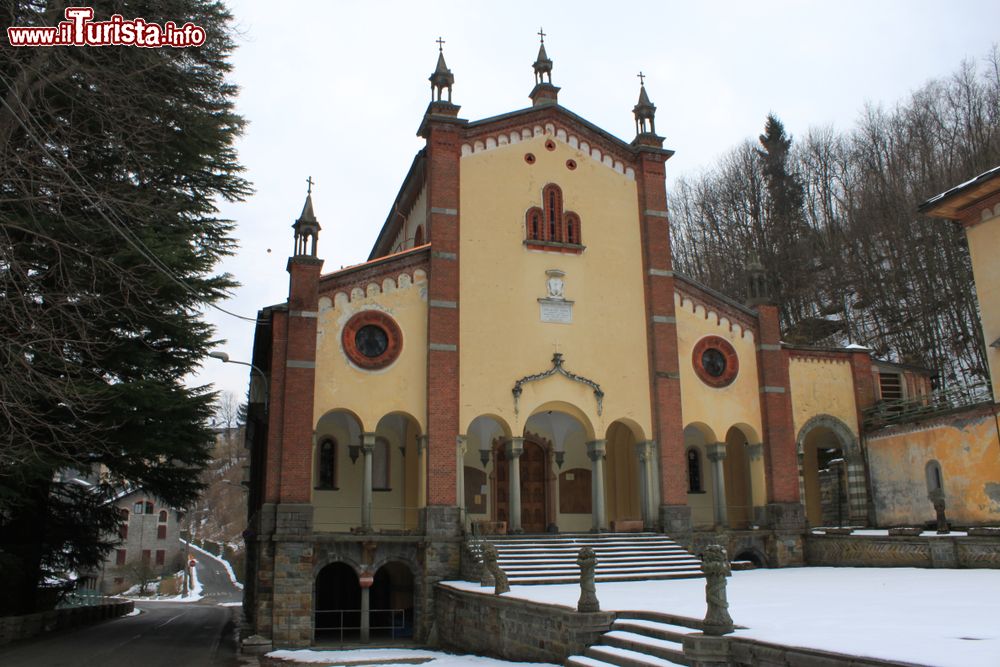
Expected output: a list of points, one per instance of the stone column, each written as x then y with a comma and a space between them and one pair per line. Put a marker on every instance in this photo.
365, 608
514, 450
717, 454
755, 452
421, 470
596, 450
461, 446
367, 449
647, 468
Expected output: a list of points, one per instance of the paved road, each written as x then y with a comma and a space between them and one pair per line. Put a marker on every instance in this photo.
216, 585
165, 634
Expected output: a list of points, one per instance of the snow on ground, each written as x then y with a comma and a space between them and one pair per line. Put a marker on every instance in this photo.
369, 655
194, 592
885, 532
222, 561
945, 618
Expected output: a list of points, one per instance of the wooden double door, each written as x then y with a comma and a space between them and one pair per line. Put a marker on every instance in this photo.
534, 468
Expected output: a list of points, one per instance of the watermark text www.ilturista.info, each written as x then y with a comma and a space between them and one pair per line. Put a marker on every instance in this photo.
79, 29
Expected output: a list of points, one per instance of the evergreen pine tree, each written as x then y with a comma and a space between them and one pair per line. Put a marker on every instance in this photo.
111, 161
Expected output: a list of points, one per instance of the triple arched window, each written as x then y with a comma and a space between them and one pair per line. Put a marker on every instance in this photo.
551, 225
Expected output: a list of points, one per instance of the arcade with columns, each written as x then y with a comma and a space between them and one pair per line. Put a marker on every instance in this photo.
517, 355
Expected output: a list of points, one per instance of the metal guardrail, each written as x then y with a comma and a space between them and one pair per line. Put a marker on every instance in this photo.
897, 411
393, 620
81, 597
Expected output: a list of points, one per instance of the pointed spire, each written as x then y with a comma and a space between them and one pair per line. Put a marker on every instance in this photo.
543, 92
307, 227
442, 77
644, 110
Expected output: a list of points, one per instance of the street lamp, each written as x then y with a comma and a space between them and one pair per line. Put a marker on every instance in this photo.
224, 358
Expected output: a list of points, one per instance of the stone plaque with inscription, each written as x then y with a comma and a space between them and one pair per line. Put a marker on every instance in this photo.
558, 311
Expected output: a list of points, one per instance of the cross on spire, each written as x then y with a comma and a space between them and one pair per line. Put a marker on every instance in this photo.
541, 34
310, 182
440, 43
642, 78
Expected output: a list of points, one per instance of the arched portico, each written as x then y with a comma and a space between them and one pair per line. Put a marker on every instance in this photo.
706, 486
827, 448
628, 477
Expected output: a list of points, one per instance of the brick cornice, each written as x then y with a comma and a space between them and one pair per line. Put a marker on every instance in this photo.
711, 300
376, 270
566, 120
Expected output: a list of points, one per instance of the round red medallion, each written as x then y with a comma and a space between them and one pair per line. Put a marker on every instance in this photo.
372, 340
715, 361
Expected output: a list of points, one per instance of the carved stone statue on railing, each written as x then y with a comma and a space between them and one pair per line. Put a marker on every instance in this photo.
492, 569
715, 565
587, 560
937, 498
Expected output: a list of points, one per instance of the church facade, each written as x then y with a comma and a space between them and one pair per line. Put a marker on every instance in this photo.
518, 355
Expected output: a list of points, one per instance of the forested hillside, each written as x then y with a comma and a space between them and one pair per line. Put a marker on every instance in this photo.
832, 217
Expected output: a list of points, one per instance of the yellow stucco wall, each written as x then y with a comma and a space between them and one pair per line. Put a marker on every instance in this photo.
717, 408
968, 451
502, 337
984, 247
822, 387
401, 387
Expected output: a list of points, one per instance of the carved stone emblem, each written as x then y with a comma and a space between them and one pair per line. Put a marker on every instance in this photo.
555, 284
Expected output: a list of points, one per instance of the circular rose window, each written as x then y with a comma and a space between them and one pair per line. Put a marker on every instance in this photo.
372, 340
715, 361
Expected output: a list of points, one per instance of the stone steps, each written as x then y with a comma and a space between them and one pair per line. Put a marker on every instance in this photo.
640, 639
551, 559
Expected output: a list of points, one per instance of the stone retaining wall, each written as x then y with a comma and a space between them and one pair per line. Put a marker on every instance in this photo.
899, 551
511, 629
15, 628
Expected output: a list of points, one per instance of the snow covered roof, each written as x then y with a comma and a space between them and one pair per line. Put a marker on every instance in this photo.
950, 203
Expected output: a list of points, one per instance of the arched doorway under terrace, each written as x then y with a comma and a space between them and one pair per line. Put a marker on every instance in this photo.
337, 605
391, 602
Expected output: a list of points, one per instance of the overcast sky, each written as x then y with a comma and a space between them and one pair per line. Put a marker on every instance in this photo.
336, 91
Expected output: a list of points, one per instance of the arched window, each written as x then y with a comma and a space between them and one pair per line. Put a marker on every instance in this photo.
694, 471
552, 200
935, 480
163, 516
326, 473
418, 236
533, 224
572, 228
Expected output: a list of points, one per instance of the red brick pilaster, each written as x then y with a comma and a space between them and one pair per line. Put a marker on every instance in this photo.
276, 411
864, 385
443, 155
780, 458
299, 380
661, 324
